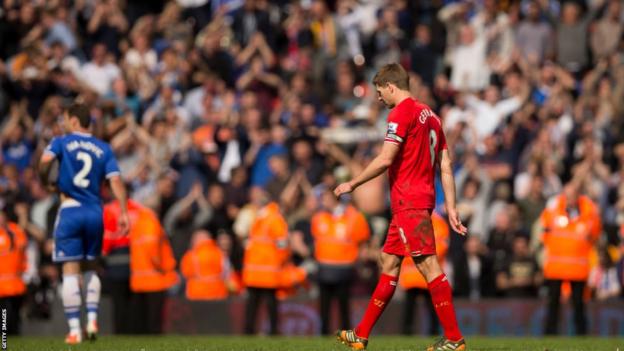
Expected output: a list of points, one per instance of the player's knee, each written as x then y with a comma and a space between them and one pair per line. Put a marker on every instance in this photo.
389, 264
71, 268
428, 266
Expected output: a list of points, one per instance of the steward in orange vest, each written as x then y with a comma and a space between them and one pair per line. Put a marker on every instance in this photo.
266, 254
415, 284
152, 267
13, 242
116, 255
207, 270
338, 230
571, 225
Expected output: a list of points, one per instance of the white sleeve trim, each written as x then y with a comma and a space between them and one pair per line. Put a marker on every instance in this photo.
112, 174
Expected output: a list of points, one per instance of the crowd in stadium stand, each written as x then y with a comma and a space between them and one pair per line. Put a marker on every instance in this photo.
214, 106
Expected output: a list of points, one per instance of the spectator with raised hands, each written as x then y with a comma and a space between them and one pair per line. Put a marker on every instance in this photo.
107, 24
605, 30
572, 35
17, 138
534, 36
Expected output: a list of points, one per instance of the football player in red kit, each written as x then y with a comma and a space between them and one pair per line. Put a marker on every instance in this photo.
414, 147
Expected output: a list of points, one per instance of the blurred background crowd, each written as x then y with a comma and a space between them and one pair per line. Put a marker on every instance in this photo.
215, 108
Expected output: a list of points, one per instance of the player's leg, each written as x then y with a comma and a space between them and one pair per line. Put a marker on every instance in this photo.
390, 266
580, 322
408, 311
93, 287
72, 300
442, 298
93, 230
69, 250
552, 314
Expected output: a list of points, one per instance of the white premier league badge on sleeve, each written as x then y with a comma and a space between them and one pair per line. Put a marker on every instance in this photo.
392, 127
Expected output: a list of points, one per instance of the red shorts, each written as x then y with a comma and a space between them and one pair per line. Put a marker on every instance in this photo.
411, 234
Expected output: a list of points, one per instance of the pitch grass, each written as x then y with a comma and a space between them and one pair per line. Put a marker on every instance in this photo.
380, 343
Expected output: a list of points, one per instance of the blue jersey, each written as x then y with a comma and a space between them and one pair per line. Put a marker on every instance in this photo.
84, 162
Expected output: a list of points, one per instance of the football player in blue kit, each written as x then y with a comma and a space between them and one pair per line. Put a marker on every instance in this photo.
83, 163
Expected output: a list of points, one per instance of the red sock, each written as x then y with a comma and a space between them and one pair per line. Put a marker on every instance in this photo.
441, 295
378, 302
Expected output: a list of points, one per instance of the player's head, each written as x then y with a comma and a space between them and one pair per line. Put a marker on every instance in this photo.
391, 84
77, 117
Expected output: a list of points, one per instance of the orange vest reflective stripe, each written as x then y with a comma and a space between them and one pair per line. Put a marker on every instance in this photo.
410, 276
569, 241
13, 244
205, 268
152, 265
266, 249
337, 238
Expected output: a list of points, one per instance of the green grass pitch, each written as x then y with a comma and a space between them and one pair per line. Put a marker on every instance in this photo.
380, 343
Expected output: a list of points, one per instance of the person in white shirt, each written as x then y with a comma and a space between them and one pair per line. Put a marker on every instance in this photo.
470, 70
141, 55
98, 74
489, 112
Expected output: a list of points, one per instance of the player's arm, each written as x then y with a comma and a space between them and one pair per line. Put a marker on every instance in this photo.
119, 191
45, 165
379, 165
113, 174
448, 185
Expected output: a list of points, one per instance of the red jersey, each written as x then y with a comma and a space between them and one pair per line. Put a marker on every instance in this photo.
418, 131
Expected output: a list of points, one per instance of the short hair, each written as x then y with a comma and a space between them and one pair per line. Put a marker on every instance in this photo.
80, 111
392, 73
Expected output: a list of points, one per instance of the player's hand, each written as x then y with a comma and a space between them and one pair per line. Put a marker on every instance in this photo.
123, 224
456, 223
343, 188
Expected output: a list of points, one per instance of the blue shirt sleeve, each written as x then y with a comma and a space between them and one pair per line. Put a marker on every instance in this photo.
55, 147
111, 167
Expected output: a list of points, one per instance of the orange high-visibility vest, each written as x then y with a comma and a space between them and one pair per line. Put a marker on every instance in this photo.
410, 277
337, 239
569, 241
291, 277
13, 244
266, 249
152, 265
206, 269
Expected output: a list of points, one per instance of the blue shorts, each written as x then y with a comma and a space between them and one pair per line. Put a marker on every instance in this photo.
78, 232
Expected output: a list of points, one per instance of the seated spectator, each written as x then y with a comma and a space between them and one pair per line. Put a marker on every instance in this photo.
603, 279
472, 273
520, 276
